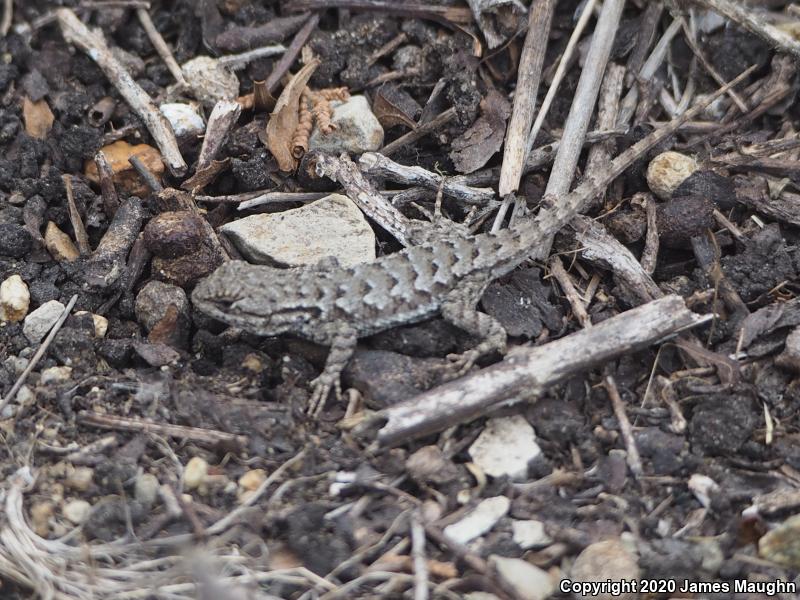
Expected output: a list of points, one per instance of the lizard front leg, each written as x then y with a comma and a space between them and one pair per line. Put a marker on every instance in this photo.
459, 310
342, 348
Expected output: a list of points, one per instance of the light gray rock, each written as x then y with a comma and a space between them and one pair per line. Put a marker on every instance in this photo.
609, 559
184, 118
155, 298
357, 129
41, 320
530, 534
529, 581
53, 375
77, 511
210, 81
145, 490
479, 521
505, 447
330, 226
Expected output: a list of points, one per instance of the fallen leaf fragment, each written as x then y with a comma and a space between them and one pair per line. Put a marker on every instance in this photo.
59, 244
474, 148
284, 119
38, 118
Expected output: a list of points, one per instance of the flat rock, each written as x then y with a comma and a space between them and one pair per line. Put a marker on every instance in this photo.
331, 226
529, 581
479, 521
505, 447
357, 129
41, 320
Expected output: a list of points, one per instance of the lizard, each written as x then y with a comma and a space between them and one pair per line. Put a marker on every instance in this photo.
444, 274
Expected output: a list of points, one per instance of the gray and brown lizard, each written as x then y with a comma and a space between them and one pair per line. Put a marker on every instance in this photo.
447, 275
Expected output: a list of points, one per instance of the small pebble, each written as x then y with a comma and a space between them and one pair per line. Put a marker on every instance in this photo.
41, 513
25, 396
174, 233
15, 241
154, 299
357, 129
210, 81
185, 120
80, 479
505, 447
53, 375
100, 323
682, 219
529, 581
145, 490
41, 320
485, 515
609, 559
667, 171
782, 544
59, 244
530, 534
77, 511
430, 465
15, 299
252, 479
195, 473
330, 226
17, 199
124, 175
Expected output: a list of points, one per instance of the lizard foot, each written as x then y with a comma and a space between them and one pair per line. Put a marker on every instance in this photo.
460, 364
321, 387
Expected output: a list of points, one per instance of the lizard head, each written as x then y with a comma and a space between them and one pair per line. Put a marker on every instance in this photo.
261, 299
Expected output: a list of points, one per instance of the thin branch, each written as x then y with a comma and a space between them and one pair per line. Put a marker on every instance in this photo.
75, 32
528, 78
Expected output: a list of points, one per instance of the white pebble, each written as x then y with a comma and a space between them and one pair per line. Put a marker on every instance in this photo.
184, 118
667, 171
14, 299
195, 473
55, 375
77, 511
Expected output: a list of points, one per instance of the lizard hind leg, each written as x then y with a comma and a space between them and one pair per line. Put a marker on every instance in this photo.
342, 348
459, 310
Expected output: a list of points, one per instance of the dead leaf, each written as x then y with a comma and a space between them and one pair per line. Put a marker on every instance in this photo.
473, 149
284, 119
392, 107
727, 368
38, 118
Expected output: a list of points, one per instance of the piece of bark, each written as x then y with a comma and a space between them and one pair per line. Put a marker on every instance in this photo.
530, 372
473, 148
601, 248
498, 19
239, 39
